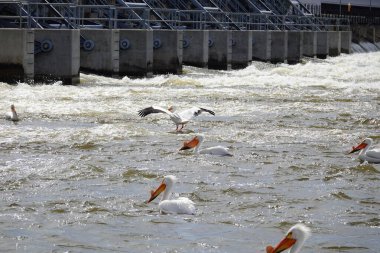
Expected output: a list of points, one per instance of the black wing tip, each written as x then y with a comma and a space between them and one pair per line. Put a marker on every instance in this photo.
209, 111
142, 113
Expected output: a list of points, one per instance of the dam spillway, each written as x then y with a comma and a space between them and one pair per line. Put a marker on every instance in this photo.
55, 40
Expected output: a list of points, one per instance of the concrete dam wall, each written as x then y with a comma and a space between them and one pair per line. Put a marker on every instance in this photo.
58, 54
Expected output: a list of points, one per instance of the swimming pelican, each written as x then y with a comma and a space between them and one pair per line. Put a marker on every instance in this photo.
180, 118
294, 239
173, 206
371, 156
196, 143
12, 115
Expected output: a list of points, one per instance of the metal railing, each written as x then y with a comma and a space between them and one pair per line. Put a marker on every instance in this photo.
73, 16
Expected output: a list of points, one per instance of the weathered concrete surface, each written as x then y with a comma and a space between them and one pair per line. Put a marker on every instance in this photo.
322, 44
62, 62
279, 46
309, 43
220, 50
334, 43
167, 51
195, 48
295, 47
136, 59
261, 45
345, 42
16, 55
104, 57
241, 49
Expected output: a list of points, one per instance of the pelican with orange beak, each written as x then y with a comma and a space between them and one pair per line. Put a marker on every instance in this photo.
293, 240
171, 206
367, 154
196, 143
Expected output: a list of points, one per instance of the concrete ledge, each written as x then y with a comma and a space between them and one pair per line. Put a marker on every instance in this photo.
322, 44
136, 53
241, 49
17, 55
345, 42
62, 61
103, 58
195, 48
295, 47
220, 50
261, 47
167, 51
279, 46
309, 43
334, 43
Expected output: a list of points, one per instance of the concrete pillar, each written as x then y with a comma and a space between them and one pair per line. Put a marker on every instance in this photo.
295, 47
136, 53
220, 49
334, 43
377, 34
345, 42
195, 48
322, 44
16, 55
241, 49
279, 46
309, 43
103, 56
261, 48
61, 61
167, 51
371, 34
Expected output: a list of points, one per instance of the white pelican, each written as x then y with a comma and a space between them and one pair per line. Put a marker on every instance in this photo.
371, 156
196, 143
173, 206
180, 118
294, 240
12, 115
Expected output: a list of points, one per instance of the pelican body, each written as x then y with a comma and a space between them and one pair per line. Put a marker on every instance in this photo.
12, 115
180, 119
171, 206
196, 143
293, 240
366, 153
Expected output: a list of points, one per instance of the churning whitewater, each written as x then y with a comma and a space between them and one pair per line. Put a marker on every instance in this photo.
78, 168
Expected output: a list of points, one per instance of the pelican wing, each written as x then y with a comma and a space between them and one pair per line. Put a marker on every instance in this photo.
153, 109
218, 150
189, 114
177, 206
373, 153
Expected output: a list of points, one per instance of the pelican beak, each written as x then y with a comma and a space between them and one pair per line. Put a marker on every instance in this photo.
190, 144
359, 147
285, 244
154, 194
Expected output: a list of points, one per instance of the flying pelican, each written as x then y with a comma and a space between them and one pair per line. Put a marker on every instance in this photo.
196, 143
371, 156
294, 239
180, 118
173, 206
12, 115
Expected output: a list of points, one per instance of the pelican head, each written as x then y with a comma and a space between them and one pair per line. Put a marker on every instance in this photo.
13, 108
362, 145
166, 184
192, 143
171, 108
294, 239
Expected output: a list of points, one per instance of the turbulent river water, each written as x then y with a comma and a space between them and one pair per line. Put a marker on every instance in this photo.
77, 170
